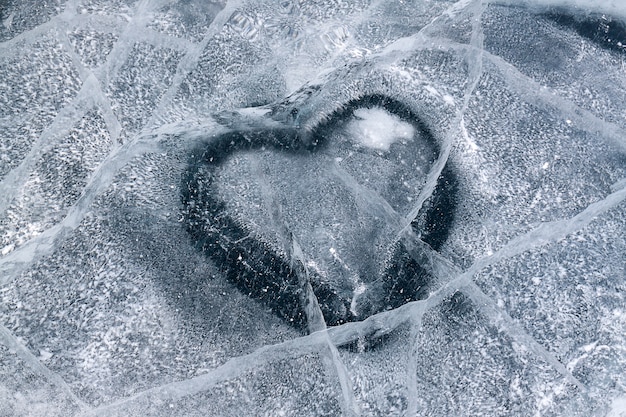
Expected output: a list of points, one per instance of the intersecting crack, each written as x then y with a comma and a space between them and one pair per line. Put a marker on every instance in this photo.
45, 243
314, 316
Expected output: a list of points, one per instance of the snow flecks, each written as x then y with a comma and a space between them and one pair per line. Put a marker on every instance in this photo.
314, 316
385, 322
59, 128
529, 89
550, 231
191, 59
45, 243
379, 324
315, 319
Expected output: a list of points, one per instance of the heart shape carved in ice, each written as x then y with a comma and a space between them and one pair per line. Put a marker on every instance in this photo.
279, 214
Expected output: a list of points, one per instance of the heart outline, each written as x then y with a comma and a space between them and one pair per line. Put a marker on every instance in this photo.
257, 270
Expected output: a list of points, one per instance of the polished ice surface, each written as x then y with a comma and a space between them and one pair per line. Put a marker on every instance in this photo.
108, 307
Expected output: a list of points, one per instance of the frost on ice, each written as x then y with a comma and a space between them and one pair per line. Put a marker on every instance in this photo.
312, 208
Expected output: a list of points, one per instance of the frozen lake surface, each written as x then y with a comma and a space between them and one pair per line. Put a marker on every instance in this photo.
359, 208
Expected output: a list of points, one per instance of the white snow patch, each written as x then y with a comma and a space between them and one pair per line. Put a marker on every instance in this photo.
7, 249
376, 128
44, 355
618, 407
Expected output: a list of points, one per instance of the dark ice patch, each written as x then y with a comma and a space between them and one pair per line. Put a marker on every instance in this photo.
605, 31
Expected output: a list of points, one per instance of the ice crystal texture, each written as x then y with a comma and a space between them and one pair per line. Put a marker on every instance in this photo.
359, 208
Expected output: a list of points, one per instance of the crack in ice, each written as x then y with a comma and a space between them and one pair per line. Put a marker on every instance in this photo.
11, 342
45, 243
314, 316
387, 321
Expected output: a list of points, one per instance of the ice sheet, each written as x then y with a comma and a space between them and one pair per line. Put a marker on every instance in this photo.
347, 135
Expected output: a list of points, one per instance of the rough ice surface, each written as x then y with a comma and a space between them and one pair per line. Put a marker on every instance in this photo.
312, 208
